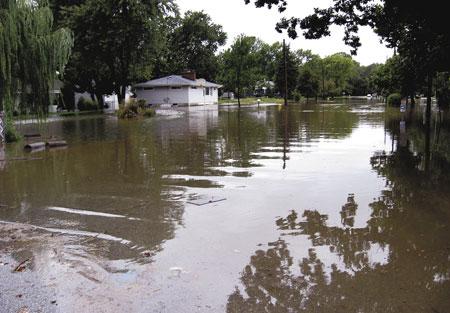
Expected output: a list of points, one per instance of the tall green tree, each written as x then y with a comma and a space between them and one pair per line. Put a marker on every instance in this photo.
116, 43
308, 84
311, 74
32, 53
193, 44
267, 56
338, 69
240, 69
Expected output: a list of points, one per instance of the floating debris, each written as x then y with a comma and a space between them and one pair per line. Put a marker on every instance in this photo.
204, 202
22, 266
176, 271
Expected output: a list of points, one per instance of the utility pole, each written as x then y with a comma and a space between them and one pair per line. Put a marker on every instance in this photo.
238, 78
285, 74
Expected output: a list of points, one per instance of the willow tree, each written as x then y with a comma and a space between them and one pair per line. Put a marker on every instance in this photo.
32, 53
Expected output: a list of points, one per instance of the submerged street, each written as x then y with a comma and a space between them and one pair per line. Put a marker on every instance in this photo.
331, 207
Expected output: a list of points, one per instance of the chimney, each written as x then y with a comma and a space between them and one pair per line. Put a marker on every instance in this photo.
189, 74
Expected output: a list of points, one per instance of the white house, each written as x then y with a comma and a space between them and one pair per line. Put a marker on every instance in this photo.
182, 90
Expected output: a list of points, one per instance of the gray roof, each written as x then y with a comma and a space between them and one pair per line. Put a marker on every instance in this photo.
176, 81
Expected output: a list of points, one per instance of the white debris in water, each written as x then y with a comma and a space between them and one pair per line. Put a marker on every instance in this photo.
176, 271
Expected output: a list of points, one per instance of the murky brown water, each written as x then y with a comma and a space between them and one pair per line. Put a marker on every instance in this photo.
320, 208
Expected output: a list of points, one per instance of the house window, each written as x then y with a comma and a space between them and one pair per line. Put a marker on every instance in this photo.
207, 91
193, 87
148, 88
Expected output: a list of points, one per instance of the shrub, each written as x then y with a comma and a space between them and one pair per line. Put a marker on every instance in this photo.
148, 112
129, 110
141, 103
394, 99
87, 105
11, 135
134, 109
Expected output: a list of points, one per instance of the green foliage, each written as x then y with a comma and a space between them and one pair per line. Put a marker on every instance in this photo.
32, 52
292, 68
258, 63
128, 111
240, 68
338, 69
11, 134
148, 112
417, 29
443, 89
87, 104
68, 96
192, 44
135, 108
308, 85
141, 103
116, 43
394, 99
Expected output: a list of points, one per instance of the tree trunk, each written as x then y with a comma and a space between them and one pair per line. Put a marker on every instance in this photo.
429, 94
118, 91
413, 100
123, 92
99, 96
239, 96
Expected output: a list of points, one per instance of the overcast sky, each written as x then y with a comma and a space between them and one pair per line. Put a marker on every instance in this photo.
237, 18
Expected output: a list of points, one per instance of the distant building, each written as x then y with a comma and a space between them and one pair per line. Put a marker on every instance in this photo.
264, 88
183, 90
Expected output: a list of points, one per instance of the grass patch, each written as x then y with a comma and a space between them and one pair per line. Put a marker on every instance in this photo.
252, 100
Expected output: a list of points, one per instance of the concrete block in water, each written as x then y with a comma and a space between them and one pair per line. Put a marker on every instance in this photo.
56, 143
35, 146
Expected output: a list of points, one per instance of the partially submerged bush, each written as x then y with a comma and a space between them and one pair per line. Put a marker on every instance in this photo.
141, 103
135, 108
148, 112
127, 111
87, 104
394, 99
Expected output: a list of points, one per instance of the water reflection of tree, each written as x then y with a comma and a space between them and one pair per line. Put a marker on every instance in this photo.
415, 277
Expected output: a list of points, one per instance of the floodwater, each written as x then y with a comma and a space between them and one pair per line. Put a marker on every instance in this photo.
334, 207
